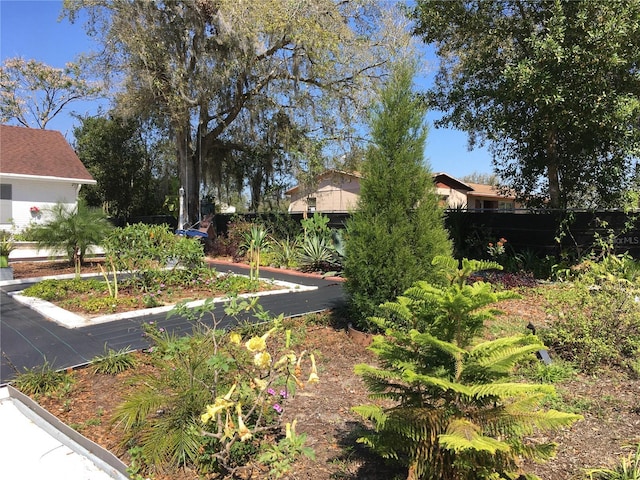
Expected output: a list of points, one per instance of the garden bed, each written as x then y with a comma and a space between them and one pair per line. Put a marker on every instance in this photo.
608, 401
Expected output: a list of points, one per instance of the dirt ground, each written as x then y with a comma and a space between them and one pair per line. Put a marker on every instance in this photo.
609, 402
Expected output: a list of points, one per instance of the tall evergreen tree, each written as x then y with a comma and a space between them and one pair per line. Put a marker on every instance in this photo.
398, 227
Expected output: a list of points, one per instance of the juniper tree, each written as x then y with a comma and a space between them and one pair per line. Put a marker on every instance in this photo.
397, 228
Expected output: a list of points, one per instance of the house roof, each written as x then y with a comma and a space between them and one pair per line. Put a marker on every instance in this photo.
451, 182
442, 178
39, 153
481, 190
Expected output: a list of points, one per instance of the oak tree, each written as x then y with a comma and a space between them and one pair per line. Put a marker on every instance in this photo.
553, 86
260, 82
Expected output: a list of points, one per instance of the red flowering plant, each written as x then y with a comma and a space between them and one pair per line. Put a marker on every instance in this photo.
34, 210
496, 250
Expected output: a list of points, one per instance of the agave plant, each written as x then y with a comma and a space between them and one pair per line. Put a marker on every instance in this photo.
317, 253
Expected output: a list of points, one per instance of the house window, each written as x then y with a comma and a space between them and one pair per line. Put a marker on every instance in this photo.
506, 206
311, 204
6, 213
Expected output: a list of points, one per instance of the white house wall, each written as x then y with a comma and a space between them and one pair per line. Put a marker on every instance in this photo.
42, 194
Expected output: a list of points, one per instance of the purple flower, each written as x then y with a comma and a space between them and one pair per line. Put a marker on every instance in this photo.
284, 394
277, 407
161, 330
271, 391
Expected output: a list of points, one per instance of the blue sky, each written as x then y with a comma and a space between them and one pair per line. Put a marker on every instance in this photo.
31, 29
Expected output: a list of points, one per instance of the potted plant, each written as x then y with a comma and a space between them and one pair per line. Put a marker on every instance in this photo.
6, 247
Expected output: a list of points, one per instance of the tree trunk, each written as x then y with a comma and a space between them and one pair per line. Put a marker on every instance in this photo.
189, 175
553, 175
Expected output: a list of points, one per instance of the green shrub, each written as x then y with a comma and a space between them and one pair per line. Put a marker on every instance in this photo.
317, 225
594, 325
556, 372
397, 228
143, 250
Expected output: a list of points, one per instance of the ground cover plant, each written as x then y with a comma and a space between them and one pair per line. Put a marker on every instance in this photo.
95, 297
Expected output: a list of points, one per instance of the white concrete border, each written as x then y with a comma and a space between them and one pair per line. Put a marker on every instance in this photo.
72, 320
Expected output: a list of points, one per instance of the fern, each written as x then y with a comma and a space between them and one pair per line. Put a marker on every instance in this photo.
454, 415
455, 312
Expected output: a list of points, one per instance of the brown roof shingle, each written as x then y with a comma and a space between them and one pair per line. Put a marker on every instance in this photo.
46, 153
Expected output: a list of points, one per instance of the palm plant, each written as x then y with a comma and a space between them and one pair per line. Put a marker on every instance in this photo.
179, 390
74, 230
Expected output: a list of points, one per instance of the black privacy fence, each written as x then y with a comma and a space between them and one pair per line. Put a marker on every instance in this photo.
543, 232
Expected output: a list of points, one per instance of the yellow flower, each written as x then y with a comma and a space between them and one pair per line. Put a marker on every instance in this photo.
313, 376
243, 431
221, 403
287, 358
291, 429
228, 395
298, 369
262, 360
235, 338
259, 383
256, 344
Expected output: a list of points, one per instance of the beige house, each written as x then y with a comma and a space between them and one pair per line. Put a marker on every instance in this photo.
471, 196
335, 192
338, 192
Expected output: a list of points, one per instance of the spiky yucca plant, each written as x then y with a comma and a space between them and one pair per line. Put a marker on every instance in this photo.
455, 417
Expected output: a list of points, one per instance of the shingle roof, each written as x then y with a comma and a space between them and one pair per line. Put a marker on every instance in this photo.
43, 153
482, 190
